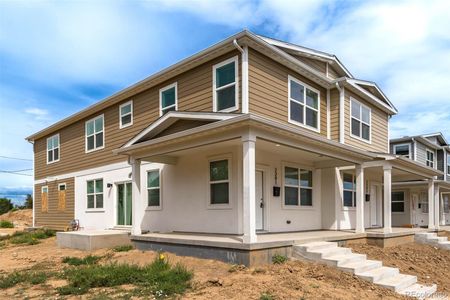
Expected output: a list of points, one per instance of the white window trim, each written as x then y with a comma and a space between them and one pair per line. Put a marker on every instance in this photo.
175, 85
426, 158
44, 187
448, 164
344, 208
95, 208
160, 206
62, 184
86, 136
369, 141
121, 116
236, 84
299, 206
59, 149
404, 203
306, 86
228, 205
404, 144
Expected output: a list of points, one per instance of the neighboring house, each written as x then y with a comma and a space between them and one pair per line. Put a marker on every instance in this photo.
250, 135
431, 150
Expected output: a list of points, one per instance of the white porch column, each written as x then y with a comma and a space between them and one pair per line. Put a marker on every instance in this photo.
249, 193
441, 211
136, 196
387, 187
437, 207
359, 172
431, 205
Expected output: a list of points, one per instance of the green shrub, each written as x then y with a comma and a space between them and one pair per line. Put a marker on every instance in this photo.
266, 296
279, 259
123, 248
75, 261
5, 205
6, 224
159, 278
15, 278
31, 238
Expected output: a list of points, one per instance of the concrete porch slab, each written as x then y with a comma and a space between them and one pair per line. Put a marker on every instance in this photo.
92, 239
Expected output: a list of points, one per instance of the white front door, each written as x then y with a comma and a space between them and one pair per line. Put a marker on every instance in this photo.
422, 210
259, 200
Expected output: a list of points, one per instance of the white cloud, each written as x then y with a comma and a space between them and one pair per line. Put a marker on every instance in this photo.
38, 113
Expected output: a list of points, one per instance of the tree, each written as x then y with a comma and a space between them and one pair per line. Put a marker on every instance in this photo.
5, 205
29, 201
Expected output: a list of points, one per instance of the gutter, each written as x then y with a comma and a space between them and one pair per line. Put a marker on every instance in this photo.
244, 68
341, 113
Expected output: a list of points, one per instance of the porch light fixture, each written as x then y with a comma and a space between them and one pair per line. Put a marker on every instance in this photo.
109, 185
277, 145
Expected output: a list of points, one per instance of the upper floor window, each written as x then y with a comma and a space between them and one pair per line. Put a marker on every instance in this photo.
219, 182
448, 164
153, 188
349, 187
95, 194
398, 201
168, 99
95, 138
126, 114
298, 189
53, 149
360, 120
303, 104
225, 88
430, 158
403, 149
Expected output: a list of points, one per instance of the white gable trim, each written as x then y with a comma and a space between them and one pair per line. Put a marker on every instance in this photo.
357, 82
171, 117
391, 108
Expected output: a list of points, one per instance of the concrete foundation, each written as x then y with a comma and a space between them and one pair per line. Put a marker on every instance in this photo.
92, 240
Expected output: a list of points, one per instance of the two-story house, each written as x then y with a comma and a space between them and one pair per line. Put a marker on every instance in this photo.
251, 135
433, 151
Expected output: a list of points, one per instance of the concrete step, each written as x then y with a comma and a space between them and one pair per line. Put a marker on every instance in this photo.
360, 267
438, 239
397, 283
426, 234
327, 252
378, 274
444, 245
343, 259
419, 291
316, 246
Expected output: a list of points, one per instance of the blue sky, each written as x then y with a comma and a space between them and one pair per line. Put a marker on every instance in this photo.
57, 57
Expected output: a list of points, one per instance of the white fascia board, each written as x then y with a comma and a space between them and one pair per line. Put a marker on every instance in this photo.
373, 84
389, 108
173, 116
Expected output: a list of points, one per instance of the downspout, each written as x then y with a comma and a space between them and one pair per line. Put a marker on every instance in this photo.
244, 68
34, 190
414, 149
328, 114
341, 113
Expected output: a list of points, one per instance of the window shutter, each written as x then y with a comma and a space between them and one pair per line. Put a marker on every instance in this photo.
62, 200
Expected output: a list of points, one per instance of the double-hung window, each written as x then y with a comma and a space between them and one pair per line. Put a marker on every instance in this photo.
303, 104
402, 149
53, 149
298, 189
430, 158
168, 99
349, 187
398, 201
424, 202
360, 120
95, 138
126, 114
95, 194
153, 188
219, 182
225, 87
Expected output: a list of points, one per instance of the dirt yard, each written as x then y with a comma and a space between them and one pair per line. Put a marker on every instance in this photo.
20, 218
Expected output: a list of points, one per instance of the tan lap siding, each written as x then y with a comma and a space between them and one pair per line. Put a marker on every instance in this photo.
334, 114
54, 218
194, 89
379, 127
268, 89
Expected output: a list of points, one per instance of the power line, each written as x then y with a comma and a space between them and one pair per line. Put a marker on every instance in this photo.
14, 173
16, 158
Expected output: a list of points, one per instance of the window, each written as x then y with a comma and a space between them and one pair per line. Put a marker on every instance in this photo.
153, 188
446, 200
360, 120
297, 187
94, 134
95, 194
349, 188
403, 149
225, 85
62, 196
398, 201
126, 114
303, 104
53, 149
430, 158
219, 182
448, 164
168, 99
44, 199
424, 202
